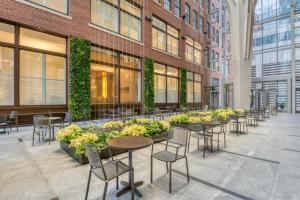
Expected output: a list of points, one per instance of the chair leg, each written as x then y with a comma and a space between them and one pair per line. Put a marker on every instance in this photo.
189, 143
198, 144
88, 185
170, 178
132, 184
187, 169
218, 141
117, 183
225, 139
204, 147
151, 170
33, 138
105, 190
211, 144
167, 167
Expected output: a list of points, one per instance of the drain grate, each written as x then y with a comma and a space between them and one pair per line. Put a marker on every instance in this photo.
55, 198
20, 139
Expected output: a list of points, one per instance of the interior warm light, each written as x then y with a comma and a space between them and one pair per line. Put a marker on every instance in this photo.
104, 84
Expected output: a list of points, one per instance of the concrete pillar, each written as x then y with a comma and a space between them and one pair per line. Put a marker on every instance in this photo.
242, 21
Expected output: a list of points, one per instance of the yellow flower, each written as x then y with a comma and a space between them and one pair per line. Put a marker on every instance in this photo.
113, 124
166, 125
67, 132
86, 138
133, 130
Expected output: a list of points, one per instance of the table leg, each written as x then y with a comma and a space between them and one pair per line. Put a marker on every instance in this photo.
128, 185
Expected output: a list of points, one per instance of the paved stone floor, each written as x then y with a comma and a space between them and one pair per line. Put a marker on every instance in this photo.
263, 164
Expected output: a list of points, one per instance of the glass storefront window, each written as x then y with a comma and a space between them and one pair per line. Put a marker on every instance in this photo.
172, 90
7, 33
130, 86
129, 61
160, 88
159, 68
103, 81
103, 55
43, 41
190, 92
6, 76
197, 90
42, 79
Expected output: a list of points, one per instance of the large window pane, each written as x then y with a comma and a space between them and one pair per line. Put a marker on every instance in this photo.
58, 5
103, 82
129, 61
173, 45
42, 79
130, 8
130, 26
159, 68
104, 15
42, 41
104, 55
6, 76
7, 33
197, 90
55, 80
171, 71
130, 86
31, 78
160, 89
172, 90
190, 92
158, 39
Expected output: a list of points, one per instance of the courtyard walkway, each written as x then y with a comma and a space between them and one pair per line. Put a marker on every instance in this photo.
263, 164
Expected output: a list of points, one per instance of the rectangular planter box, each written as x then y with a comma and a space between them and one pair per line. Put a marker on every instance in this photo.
82, 159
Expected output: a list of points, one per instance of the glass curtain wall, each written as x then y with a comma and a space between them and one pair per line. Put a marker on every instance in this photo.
272, 48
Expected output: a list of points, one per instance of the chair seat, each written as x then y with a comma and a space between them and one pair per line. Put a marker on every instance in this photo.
112, 170
166, 156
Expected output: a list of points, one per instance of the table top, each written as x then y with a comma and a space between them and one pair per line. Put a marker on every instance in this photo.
129, 142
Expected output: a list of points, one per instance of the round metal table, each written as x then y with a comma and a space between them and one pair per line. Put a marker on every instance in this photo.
130, 143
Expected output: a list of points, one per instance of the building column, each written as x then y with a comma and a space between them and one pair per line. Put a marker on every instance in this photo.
242, 21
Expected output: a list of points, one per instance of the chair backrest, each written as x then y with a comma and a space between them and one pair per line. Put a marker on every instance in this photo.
92, 153
13, 115
68, 118
40, 121
3, 118
197, 127
178, 135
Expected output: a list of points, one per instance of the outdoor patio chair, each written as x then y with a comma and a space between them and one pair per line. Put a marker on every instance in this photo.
219, 130
12, 120
4, 123
199, 131
104, 171
41, 126
177, 139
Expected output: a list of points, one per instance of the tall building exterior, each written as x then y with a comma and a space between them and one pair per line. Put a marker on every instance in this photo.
221, 90
276, 55
35, 52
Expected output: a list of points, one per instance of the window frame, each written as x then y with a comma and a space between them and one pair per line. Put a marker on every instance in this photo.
166, 76
67, 8
118, 7
117, 68
167, 34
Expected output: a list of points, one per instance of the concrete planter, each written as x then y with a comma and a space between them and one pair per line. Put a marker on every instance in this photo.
180, 125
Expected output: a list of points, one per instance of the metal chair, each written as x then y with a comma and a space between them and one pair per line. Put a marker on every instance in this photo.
41, 127
13, 120
177, 139
199, 131
4, 123
104, 171
66, 122
219, 130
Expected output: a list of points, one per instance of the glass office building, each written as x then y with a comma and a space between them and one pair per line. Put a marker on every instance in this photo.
276, 55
